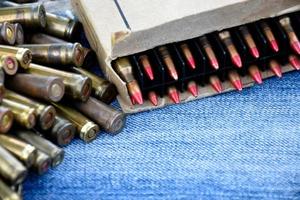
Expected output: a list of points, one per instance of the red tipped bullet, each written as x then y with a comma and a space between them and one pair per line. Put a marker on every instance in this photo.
193, 88
216, 83
255, 74
209, 52
174, 94
294, 61
249, 41
146, 66
287, 26
235, 80
153, 98
168, 62
270, 36
235, 57
135, 92
188, 55
276, 68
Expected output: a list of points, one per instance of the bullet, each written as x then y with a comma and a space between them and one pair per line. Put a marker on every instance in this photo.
19, 34
235, 57
167, 59
174, 94
11, 169
295, 62
152, 96
9, 64
64, 54
108, 118
22, 55
102, 88
188, 55
193, 88
23, 151
123, 68
270, 36
48, 88
29, 15
209, 52
6, 119
216, 83
6, 193
294, 41
235, 80
86, 129
42, 162
144, 60
255, 74
62, 132
7, 33
76, 86
275, 68
44, 113
249, 41
55, 153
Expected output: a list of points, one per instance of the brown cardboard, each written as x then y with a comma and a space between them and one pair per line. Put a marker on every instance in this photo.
116, 28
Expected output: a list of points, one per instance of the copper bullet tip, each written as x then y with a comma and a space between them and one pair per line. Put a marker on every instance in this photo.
149, 72
255, 74
276, 68
296, 46
216, 84
237, 61
294, 61
174, 95
135, 92
235, 80
193, 88
214, 63
274, 45
153, 98
254, 52
191, 62
173, 74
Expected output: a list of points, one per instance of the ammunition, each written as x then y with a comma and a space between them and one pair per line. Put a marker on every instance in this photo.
255, 74
23, 115
102, 89
188, 55
9, 64
209, 52
124, 69
144, 60
7, 33
227, 41
152, 96
19, 33
22, 55
167, 59
108, 118
62, 132
6, 119
275, 68
270, 36
249, 41
235, 80
87, 129
55, 153
49, 88
42, 162
174, 94
76, 86
29, 15
216, 83
294, 41
21, 150
6, 193
11, 169
193, 88
42, 38
295, 62
44, 113
56, 54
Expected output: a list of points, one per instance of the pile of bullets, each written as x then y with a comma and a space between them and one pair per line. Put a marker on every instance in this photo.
46, 104
211, 59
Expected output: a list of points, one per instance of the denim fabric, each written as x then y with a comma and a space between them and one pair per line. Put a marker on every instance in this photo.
233, 146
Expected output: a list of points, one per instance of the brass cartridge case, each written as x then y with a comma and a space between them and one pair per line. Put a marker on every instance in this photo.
62, 132
105, 116
21, 150
76, 86
42, 38
6, 119
48, 88
22, 55
86, 129
6, 193
124, 69
7, 33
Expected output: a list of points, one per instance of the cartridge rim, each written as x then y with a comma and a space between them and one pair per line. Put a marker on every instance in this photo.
6, 120
89, 132
8, 33
58, 157
47, 117
86, 89
24, 56
43, 164
9, 64
65, 134
117, 123
73, 30
40, 15
30, 119
29, 154
78, 55
19, 34
106, 93
56, 90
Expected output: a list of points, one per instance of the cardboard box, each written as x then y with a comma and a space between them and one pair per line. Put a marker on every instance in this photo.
117, 28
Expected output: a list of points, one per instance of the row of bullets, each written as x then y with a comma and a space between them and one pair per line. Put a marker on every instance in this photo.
46, 104
124, 68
